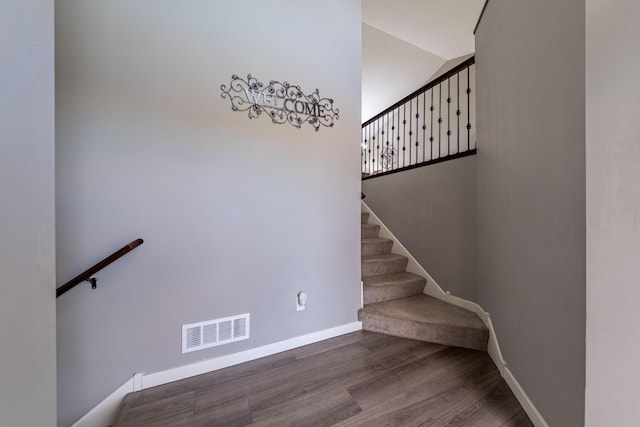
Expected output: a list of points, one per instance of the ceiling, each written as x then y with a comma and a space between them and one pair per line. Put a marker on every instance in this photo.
441, 27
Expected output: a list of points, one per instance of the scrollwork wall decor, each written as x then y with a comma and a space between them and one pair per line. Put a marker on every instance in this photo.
388, 158
282, 102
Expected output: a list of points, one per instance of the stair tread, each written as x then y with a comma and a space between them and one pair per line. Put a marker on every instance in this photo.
382, 257
375, 240
369, 225
425, 309
369, 231
375, 245
392, 279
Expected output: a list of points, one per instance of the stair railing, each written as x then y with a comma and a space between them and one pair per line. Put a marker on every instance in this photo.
433, 124
86, 276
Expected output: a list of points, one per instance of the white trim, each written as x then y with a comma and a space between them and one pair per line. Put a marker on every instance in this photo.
137, 382
433, 289
103, 414
527, 405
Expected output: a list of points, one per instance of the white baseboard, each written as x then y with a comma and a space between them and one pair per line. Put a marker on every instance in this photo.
159, 378
103, 414
527, 405
432, 288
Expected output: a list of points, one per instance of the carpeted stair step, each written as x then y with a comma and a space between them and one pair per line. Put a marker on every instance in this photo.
376, 265
375, 246
392, 286
425, 318
364, 217
369, 231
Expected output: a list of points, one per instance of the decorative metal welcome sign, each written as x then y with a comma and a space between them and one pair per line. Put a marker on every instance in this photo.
282, 102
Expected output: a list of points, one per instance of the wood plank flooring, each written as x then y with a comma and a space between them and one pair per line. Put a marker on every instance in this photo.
358, 379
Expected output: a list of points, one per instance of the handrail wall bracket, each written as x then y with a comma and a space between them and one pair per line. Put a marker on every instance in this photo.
86, 276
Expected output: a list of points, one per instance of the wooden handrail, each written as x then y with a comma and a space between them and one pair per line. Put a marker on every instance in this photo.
480, 17
455, 70
86, 275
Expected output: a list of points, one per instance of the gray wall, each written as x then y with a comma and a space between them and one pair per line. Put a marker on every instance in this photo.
238, 215
27, 251
613, 238
431, 210
385, 59
531, 196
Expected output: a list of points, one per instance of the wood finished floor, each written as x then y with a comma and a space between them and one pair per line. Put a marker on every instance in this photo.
358, 379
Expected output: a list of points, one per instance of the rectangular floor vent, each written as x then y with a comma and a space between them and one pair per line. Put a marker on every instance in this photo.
198, 336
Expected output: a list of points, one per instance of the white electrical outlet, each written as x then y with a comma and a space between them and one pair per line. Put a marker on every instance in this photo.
301, 301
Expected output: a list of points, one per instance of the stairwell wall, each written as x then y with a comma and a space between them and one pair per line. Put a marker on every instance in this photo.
382, 55
27, 217
237, 215
431, 210
531, 196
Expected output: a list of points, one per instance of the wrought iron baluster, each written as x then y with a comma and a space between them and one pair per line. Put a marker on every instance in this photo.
373, 148
448, 116
398, 136
410, 129
387, 144
439, 120
417, 120
369, 150
404, 134
469, 107
393, 129
458, 112
431, 139
424, 127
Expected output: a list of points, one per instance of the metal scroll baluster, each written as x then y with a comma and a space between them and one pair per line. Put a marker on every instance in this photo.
417, 121
439, 120
468, 108
398, 136
373, 146
369, 147
458, 112
431, 139
448, 116
389, 153
404, 134
364, 150
410, 128
378, 144
393, 130
424, 126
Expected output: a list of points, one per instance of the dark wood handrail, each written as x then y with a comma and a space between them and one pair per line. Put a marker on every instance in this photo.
469, 62
86, 275
480, 17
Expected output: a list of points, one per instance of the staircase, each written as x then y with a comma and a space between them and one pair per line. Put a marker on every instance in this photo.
394, 302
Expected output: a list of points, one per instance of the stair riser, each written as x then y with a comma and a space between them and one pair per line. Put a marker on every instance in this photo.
439, 334
364, 217
377, 268
373, 295
369, 231
376, 247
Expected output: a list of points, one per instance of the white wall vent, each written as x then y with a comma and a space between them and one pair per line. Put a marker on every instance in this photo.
198, 336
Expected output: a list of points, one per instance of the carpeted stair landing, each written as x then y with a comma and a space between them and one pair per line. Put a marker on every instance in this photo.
394, 302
